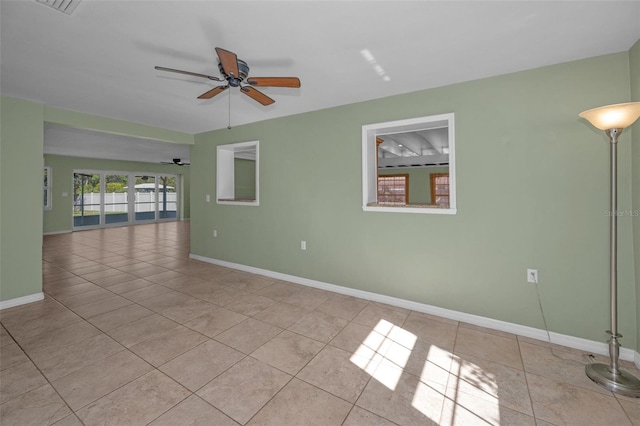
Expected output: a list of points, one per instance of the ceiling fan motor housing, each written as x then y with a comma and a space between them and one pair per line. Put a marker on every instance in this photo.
235, 80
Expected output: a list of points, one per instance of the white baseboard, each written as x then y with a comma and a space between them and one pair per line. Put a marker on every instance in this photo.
36, 297
585, 345
58, 232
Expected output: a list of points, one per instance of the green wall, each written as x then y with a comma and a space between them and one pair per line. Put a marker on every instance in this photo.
521, 132
419, 181
21, 191
634, 61
59, 218
244, 179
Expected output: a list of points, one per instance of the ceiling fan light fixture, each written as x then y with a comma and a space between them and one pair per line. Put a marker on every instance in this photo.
64, 6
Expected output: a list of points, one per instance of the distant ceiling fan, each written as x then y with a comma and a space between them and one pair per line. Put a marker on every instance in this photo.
177, 162
235, 73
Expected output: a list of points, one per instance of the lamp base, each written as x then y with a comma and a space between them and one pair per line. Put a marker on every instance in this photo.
623, 383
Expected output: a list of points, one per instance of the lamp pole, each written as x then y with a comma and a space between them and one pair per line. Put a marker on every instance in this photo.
614, 345
613, 119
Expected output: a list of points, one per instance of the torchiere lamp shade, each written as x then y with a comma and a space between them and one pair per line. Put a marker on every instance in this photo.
617, 116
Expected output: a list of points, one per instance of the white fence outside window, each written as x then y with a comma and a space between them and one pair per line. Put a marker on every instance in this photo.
115, 201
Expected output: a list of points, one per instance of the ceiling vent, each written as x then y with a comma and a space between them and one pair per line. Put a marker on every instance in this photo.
66, 6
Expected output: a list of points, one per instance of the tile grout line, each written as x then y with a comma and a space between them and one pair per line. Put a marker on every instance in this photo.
154, 368
43, 376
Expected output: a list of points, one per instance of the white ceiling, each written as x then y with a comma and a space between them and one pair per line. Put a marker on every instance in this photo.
72, 142
414, 148
100, 60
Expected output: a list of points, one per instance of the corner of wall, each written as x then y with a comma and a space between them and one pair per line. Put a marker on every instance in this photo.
21, 216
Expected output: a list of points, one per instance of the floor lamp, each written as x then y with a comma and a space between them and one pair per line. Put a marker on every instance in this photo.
613, 119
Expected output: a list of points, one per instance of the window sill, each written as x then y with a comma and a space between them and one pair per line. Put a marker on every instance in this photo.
408, 208
237, 202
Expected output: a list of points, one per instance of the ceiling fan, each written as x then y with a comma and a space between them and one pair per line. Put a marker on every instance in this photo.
235, 73
177, 162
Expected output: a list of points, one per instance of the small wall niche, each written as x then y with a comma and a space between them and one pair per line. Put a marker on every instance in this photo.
238, 174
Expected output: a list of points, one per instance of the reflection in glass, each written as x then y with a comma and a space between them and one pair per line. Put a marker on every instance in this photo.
116, 199
86, 199
145, 198
167, 197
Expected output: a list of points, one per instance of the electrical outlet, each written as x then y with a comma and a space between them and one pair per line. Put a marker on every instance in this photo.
303, 245
207, 198
532, 276
215, 233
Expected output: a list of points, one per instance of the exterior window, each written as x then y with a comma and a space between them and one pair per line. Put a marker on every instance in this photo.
115, 198
47, 188
145, 197
87, 199
167, 201
440, 189
393, 189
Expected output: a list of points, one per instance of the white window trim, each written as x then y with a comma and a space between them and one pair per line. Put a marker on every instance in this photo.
48, 205
225, 178
369, 163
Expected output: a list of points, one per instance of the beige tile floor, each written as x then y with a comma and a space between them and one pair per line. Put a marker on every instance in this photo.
132, 332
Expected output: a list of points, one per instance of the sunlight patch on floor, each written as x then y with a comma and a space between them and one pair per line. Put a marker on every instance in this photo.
474, 394
385, 352
450, 390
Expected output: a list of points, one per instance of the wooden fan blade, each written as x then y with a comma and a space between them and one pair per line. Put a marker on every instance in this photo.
257, 95
211, 93
229, 61
274, 81
195, 74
